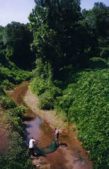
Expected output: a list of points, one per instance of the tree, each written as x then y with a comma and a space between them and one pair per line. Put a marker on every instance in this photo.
17, 39
59, 36
98, 20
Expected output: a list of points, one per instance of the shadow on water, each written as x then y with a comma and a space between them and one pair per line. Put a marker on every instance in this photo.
28, 118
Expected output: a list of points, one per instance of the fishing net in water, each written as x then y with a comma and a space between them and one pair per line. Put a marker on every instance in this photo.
45, 150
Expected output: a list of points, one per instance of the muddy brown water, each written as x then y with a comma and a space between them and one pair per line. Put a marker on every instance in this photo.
72, 156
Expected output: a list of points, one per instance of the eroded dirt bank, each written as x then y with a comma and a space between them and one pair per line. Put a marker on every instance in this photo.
41, 127
4, 133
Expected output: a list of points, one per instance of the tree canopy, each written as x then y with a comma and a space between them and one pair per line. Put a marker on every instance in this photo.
17, 39
60, 36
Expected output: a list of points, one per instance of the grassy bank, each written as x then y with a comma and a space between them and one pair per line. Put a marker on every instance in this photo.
16, 156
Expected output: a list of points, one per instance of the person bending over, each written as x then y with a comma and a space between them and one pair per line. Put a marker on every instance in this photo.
32, 142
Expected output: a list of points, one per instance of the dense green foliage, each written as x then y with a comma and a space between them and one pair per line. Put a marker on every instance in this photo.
15, 41
64, 36
9, 72
68, 76
16, 156
86, 103
98, 20
71, 72
60, 35
43, 86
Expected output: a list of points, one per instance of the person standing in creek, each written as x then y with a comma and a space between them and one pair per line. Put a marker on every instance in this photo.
56, 135
32, 143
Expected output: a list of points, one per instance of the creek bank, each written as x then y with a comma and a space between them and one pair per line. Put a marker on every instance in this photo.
4, 133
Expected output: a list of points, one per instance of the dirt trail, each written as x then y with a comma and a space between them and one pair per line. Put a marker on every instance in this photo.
71, 157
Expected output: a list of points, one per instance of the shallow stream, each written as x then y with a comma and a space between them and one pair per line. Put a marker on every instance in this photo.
72, 156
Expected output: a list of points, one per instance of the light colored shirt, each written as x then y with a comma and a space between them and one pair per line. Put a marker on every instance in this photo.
31, 143
57, 131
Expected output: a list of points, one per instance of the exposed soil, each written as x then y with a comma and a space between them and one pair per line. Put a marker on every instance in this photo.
4, 140
41, 126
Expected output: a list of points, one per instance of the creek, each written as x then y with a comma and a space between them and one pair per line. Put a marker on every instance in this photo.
72, 156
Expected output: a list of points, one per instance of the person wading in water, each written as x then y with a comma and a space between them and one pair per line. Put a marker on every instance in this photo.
32, 142
56, 135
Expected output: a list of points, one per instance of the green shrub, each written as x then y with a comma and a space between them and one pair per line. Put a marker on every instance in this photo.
16, 157
17, 111
46, 91
46, 101
7, 85
6, 103
38, 86
86, 103
43, 86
